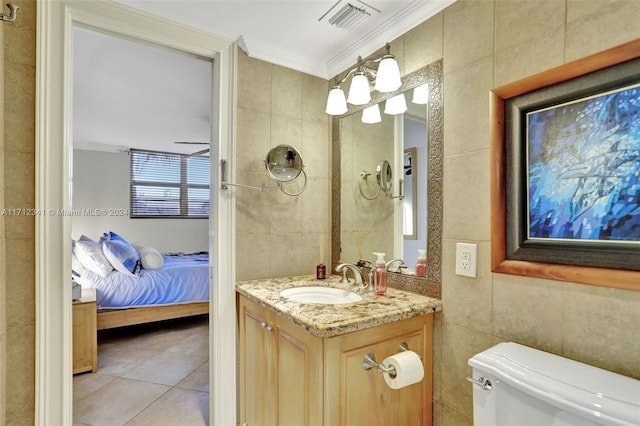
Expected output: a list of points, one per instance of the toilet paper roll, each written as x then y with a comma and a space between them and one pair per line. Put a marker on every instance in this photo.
408, 369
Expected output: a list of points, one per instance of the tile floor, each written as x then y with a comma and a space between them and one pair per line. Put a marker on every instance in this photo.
156, 374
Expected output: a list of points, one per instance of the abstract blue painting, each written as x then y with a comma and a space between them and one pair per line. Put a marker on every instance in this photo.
583, 169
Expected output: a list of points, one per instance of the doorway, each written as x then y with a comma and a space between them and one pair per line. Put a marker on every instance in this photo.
56, 21
143, 112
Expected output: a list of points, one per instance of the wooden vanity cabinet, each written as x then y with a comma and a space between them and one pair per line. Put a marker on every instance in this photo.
290, 377
354, 396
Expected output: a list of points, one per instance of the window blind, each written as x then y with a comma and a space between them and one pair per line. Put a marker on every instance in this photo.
168, 185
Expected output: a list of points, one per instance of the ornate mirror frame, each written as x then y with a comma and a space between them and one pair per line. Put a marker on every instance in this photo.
431, 74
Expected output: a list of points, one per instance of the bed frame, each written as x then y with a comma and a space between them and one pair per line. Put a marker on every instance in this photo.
133, 316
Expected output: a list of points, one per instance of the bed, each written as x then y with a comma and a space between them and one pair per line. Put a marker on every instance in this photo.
179, 288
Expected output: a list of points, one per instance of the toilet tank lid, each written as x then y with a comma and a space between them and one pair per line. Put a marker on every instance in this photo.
590, 391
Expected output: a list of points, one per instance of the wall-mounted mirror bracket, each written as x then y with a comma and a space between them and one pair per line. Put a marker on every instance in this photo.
400, 195
13, 11
225, 185
363, 178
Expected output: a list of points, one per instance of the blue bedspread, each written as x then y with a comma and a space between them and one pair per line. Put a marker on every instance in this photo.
182, 279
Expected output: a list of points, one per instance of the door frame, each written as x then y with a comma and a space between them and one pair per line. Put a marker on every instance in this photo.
54, 149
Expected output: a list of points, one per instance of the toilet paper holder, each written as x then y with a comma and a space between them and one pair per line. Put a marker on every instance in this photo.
369, 362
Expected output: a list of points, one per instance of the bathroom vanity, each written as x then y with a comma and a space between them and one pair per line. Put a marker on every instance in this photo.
302, 363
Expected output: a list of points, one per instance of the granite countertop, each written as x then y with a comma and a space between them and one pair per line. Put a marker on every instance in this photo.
332, 320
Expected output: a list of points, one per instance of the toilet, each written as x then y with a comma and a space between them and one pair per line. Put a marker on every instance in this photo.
514, 385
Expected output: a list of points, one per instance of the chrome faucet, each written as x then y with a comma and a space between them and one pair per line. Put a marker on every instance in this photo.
394, 260
357, 273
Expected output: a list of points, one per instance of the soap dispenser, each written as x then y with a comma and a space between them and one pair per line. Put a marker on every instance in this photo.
421, 264
380, 278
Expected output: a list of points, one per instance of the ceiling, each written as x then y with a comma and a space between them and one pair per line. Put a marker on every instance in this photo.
292, 33
128, 94
132, 95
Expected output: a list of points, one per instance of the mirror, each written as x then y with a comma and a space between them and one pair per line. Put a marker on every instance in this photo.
361, 228
410, 206
283, 164
384, 176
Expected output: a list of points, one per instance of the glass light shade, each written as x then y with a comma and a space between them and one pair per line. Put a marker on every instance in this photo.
371, 115
336, 102
359, 90
395, 105
421, 94
388, 78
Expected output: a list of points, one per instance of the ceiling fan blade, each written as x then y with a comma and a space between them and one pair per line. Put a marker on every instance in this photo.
191, 143
204, 151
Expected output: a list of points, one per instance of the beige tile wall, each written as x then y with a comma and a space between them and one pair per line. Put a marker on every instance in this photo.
279, 235
17, 142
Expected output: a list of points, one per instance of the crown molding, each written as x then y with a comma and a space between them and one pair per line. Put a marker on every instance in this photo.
302, 63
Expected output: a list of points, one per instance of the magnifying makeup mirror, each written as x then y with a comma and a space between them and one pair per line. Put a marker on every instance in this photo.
384, 175
283, 164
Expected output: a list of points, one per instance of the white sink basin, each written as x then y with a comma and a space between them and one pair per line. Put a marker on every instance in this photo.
321, 295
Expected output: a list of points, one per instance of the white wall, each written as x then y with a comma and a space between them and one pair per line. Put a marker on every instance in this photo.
101, 181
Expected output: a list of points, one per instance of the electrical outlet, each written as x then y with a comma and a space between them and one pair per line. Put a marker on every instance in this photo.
466, 259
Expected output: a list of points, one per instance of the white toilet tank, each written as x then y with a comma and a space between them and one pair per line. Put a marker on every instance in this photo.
529, 387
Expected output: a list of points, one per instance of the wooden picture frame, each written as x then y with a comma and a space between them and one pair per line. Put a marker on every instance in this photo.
510, 252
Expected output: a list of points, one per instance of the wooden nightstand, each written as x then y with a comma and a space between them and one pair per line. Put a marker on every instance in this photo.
85, 335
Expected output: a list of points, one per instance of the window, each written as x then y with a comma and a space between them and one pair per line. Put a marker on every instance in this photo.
168, 185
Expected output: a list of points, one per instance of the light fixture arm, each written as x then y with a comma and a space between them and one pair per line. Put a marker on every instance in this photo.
364, 66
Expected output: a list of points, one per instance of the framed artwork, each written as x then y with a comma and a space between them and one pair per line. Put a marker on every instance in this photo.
566, 172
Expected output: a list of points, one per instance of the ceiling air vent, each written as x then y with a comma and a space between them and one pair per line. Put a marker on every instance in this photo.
348, 16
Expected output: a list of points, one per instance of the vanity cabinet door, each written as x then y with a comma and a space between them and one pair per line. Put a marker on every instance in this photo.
280, 370
354, 396
300, 369
257, 361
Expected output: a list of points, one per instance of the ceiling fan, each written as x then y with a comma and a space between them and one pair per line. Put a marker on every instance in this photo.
204, 151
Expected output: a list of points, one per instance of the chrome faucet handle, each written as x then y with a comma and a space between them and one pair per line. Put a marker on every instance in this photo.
371, 288
394, 260
344, 280
357, 272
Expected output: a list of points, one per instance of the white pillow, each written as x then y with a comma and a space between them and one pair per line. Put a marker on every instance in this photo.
122, 256
90, 255
151, 258
77, 268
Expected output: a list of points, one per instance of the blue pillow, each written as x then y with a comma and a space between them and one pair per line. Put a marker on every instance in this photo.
112, 236
122, 256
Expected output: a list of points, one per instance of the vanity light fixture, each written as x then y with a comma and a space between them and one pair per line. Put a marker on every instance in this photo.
371, 115
421, 94
336, 102
386, 78
395, 105
359, 90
